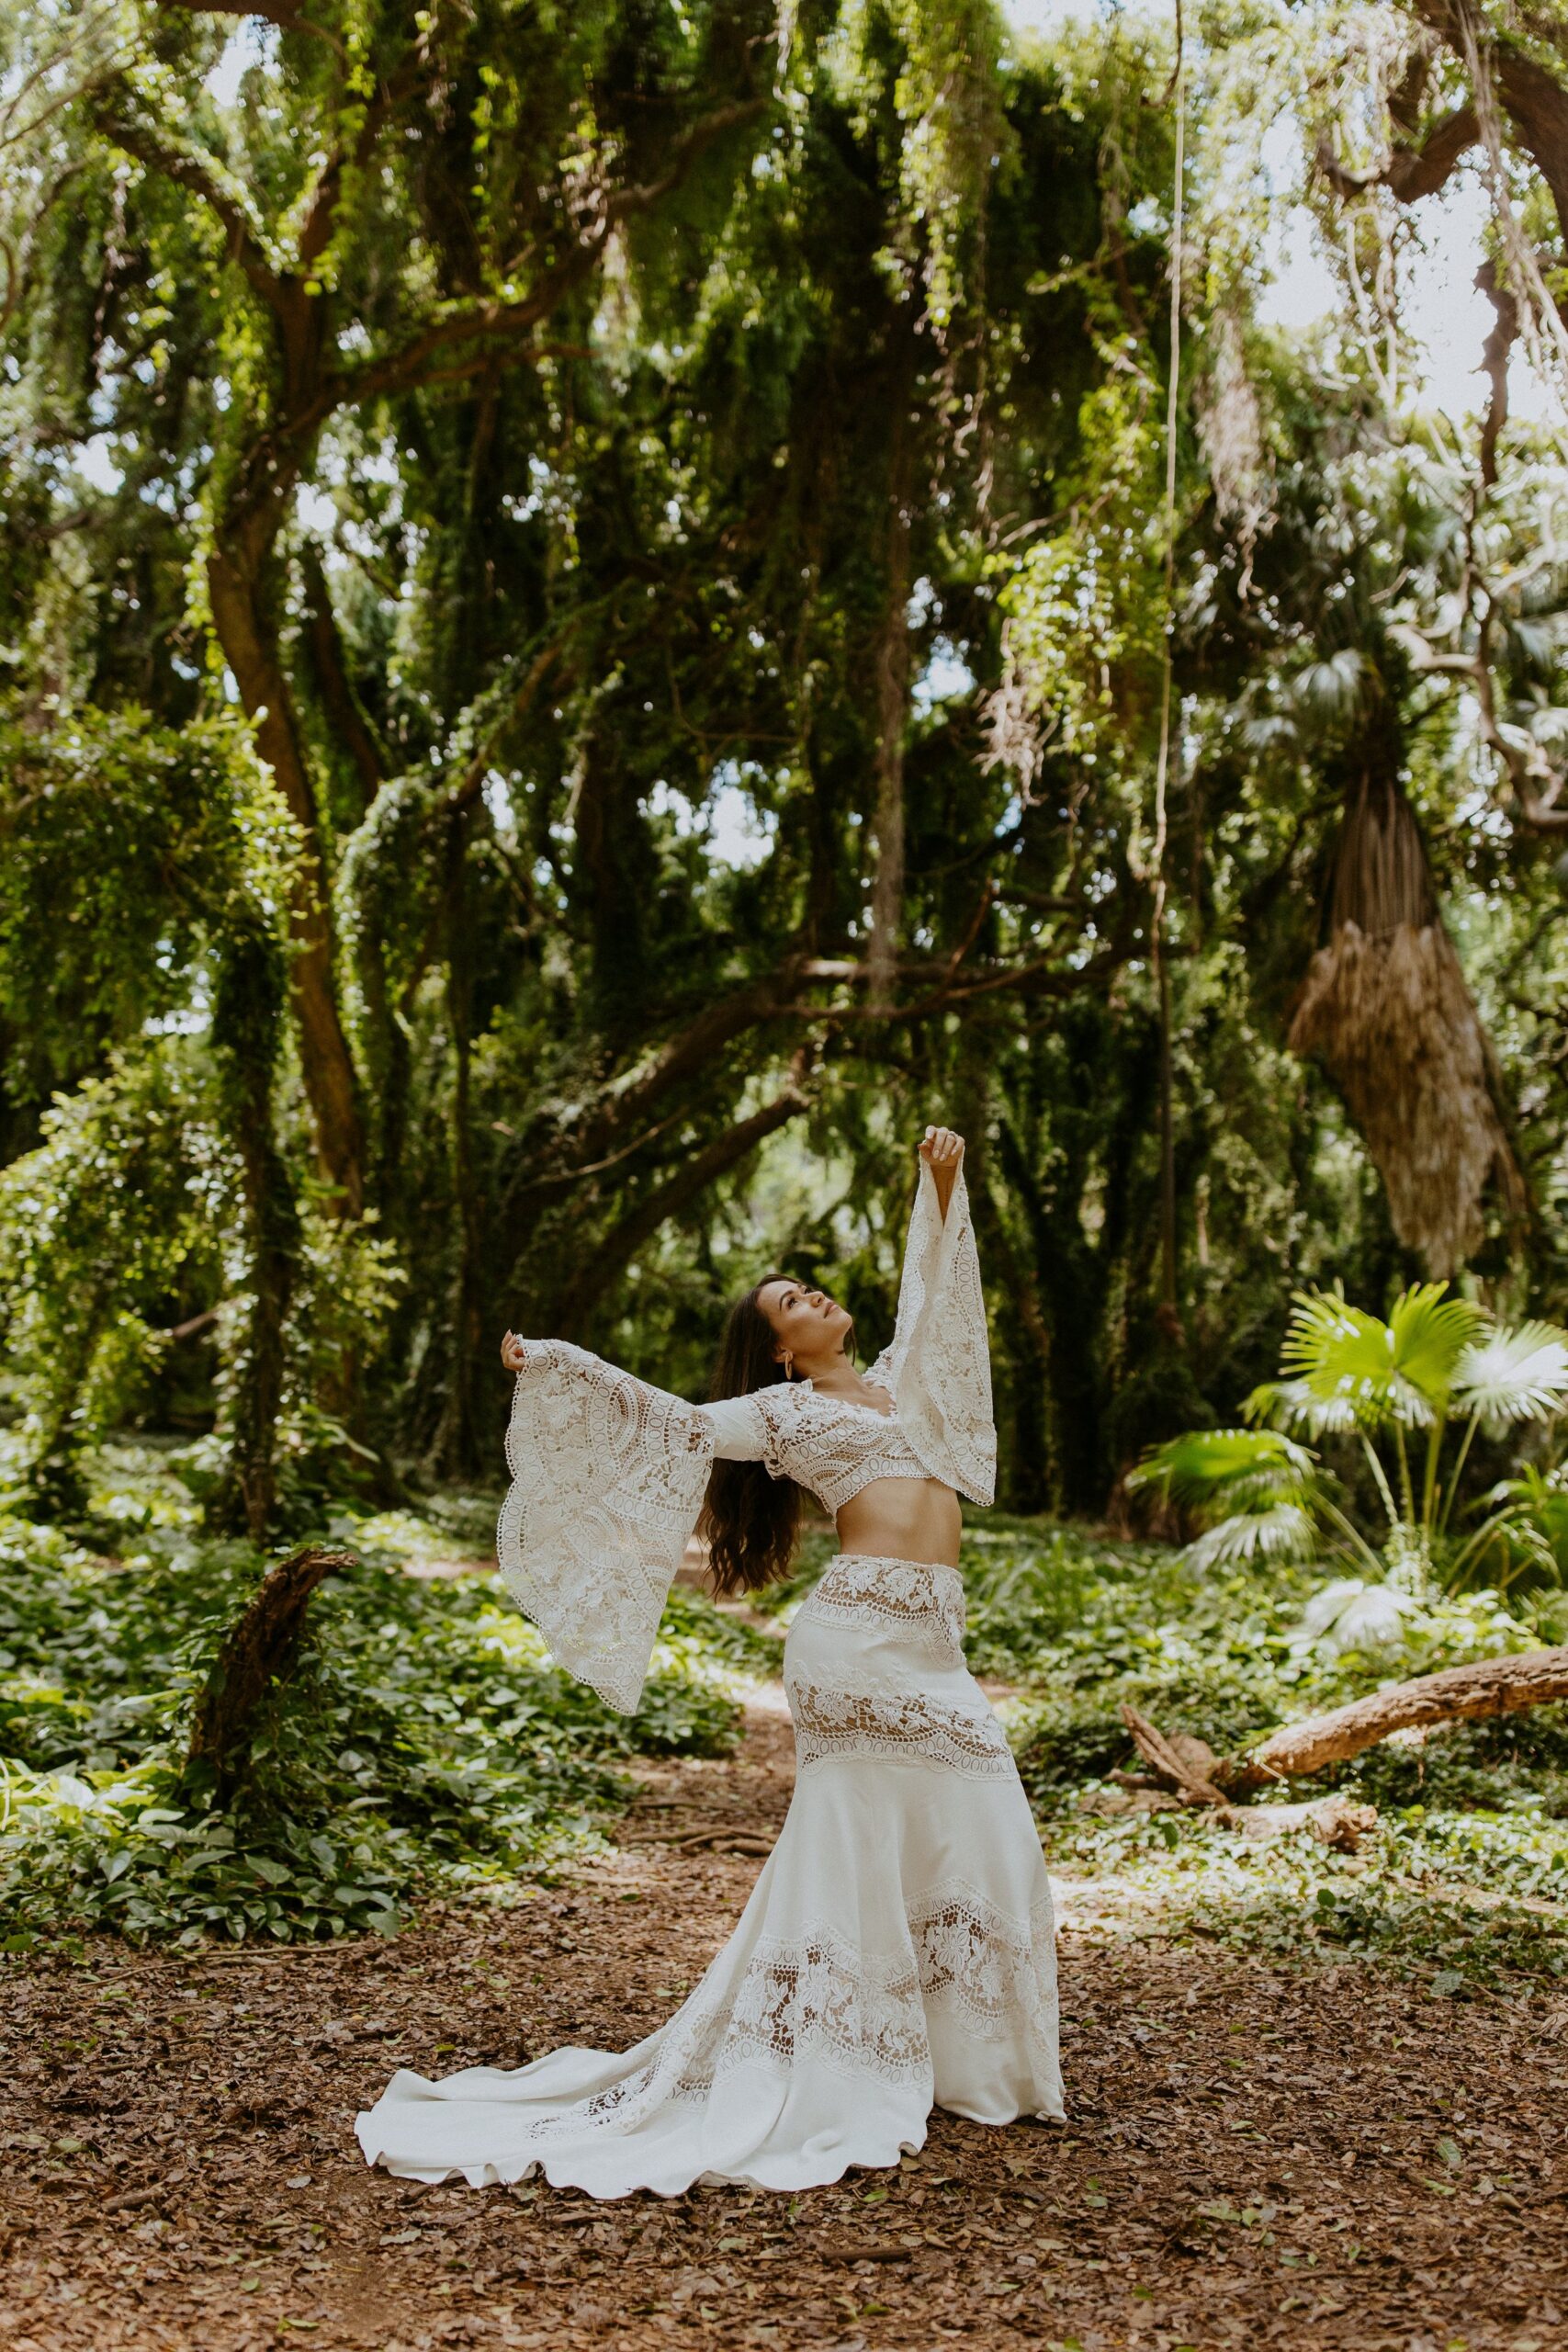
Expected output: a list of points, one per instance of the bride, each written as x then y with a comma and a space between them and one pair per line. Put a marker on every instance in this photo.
897, 1949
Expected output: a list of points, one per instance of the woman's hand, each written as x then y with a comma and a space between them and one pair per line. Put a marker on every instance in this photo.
942, 1153
513, 1352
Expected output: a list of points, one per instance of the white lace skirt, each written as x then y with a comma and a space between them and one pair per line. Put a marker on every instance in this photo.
897, 1951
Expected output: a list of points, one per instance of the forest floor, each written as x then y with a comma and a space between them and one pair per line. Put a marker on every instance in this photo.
1314, 2155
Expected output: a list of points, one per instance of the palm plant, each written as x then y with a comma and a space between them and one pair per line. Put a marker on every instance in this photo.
1440, 1368
1525, 1536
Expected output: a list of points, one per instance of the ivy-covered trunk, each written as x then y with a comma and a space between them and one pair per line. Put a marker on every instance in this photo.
247, 1016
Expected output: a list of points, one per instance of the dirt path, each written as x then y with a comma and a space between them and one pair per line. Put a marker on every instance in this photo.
1318, 2158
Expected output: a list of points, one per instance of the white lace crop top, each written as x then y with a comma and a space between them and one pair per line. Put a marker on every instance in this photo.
608, 1473
830, 1445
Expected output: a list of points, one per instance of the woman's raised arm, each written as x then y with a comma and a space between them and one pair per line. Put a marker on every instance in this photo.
942, 1153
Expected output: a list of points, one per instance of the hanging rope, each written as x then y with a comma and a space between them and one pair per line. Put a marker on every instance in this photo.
1177, 92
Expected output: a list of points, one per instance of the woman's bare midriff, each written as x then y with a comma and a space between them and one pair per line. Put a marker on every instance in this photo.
903, 1519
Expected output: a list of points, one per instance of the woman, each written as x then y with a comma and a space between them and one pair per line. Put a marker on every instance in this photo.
899, 1947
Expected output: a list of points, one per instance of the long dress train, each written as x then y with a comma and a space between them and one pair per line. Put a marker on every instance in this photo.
897, 1951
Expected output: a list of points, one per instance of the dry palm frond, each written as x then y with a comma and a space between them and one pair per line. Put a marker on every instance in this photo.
1386, 1009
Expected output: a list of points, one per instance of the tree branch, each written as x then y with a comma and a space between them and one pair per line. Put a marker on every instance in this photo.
405, 369
1494, 1686
200, 174
320, 211
338, 698
701, 136
570, 1154
1537, 785
1494, 364
1536, 102
472, 782
1412, 171
281, 13
623, 1241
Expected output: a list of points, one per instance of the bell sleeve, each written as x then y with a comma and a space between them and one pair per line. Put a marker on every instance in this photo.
608, 1476
938, 1365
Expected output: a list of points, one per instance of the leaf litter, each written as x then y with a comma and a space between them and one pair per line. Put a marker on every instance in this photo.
1307, 2150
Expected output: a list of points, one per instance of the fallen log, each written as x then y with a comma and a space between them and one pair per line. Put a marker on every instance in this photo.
1496, 1686
256, 1651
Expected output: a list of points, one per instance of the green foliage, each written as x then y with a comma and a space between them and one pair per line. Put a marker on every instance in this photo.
1467, 1874
423, 1741
110, 1220
1344, 1373
1344, 1369
133, 849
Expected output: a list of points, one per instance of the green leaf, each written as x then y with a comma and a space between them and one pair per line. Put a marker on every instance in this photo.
1206, 1466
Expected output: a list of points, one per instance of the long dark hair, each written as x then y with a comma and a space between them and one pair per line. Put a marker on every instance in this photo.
751, 1519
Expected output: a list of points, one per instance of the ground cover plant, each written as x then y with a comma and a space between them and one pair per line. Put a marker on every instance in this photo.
423, 1740
1465, 1878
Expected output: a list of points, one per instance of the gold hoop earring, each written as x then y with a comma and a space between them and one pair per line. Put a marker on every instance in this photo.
788, 1365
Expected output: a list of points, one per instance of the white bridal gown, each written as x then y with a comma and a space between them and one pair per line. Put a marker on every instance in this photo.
899, 1948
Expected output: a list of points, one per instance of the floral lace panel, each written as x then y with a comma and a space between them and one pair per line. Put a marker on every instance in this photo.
817, 1998
992, 1971
813, 1998
830, 1447
917, 1600
608, 1476
898, 1724
821, 1997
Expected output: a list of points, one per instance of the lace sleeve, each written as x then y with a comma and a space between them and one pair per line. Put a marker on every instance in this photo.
607, 1480
741, 1430
938, 1365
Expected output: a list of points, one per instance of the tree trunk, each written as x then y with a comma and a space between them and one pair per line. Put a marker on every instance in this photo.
1497, 1686
249, 644
339, 701
892, 678
457, 1446
257, 1651
245, 1024
1386, 1010
621, 871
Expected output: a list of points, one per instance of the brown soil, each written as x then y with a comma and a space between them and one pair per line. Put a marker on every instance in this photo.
1253, 2157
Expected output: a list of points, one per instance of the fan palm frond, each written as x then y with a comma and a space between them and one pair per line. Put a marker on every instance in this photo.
1431, 1332
1291, 1405
1333, 688
1210, 1470
1269, 732
1284, 1532
1375, 1371
1548, 722
1518, 1375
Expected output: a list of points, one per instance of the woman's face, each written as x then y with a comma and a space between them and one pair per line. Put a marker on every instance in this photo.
808, 1321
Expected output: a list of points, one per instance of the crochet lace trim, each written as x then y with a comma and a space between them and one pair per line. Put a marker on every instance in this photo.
896, 1722
608, 1475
